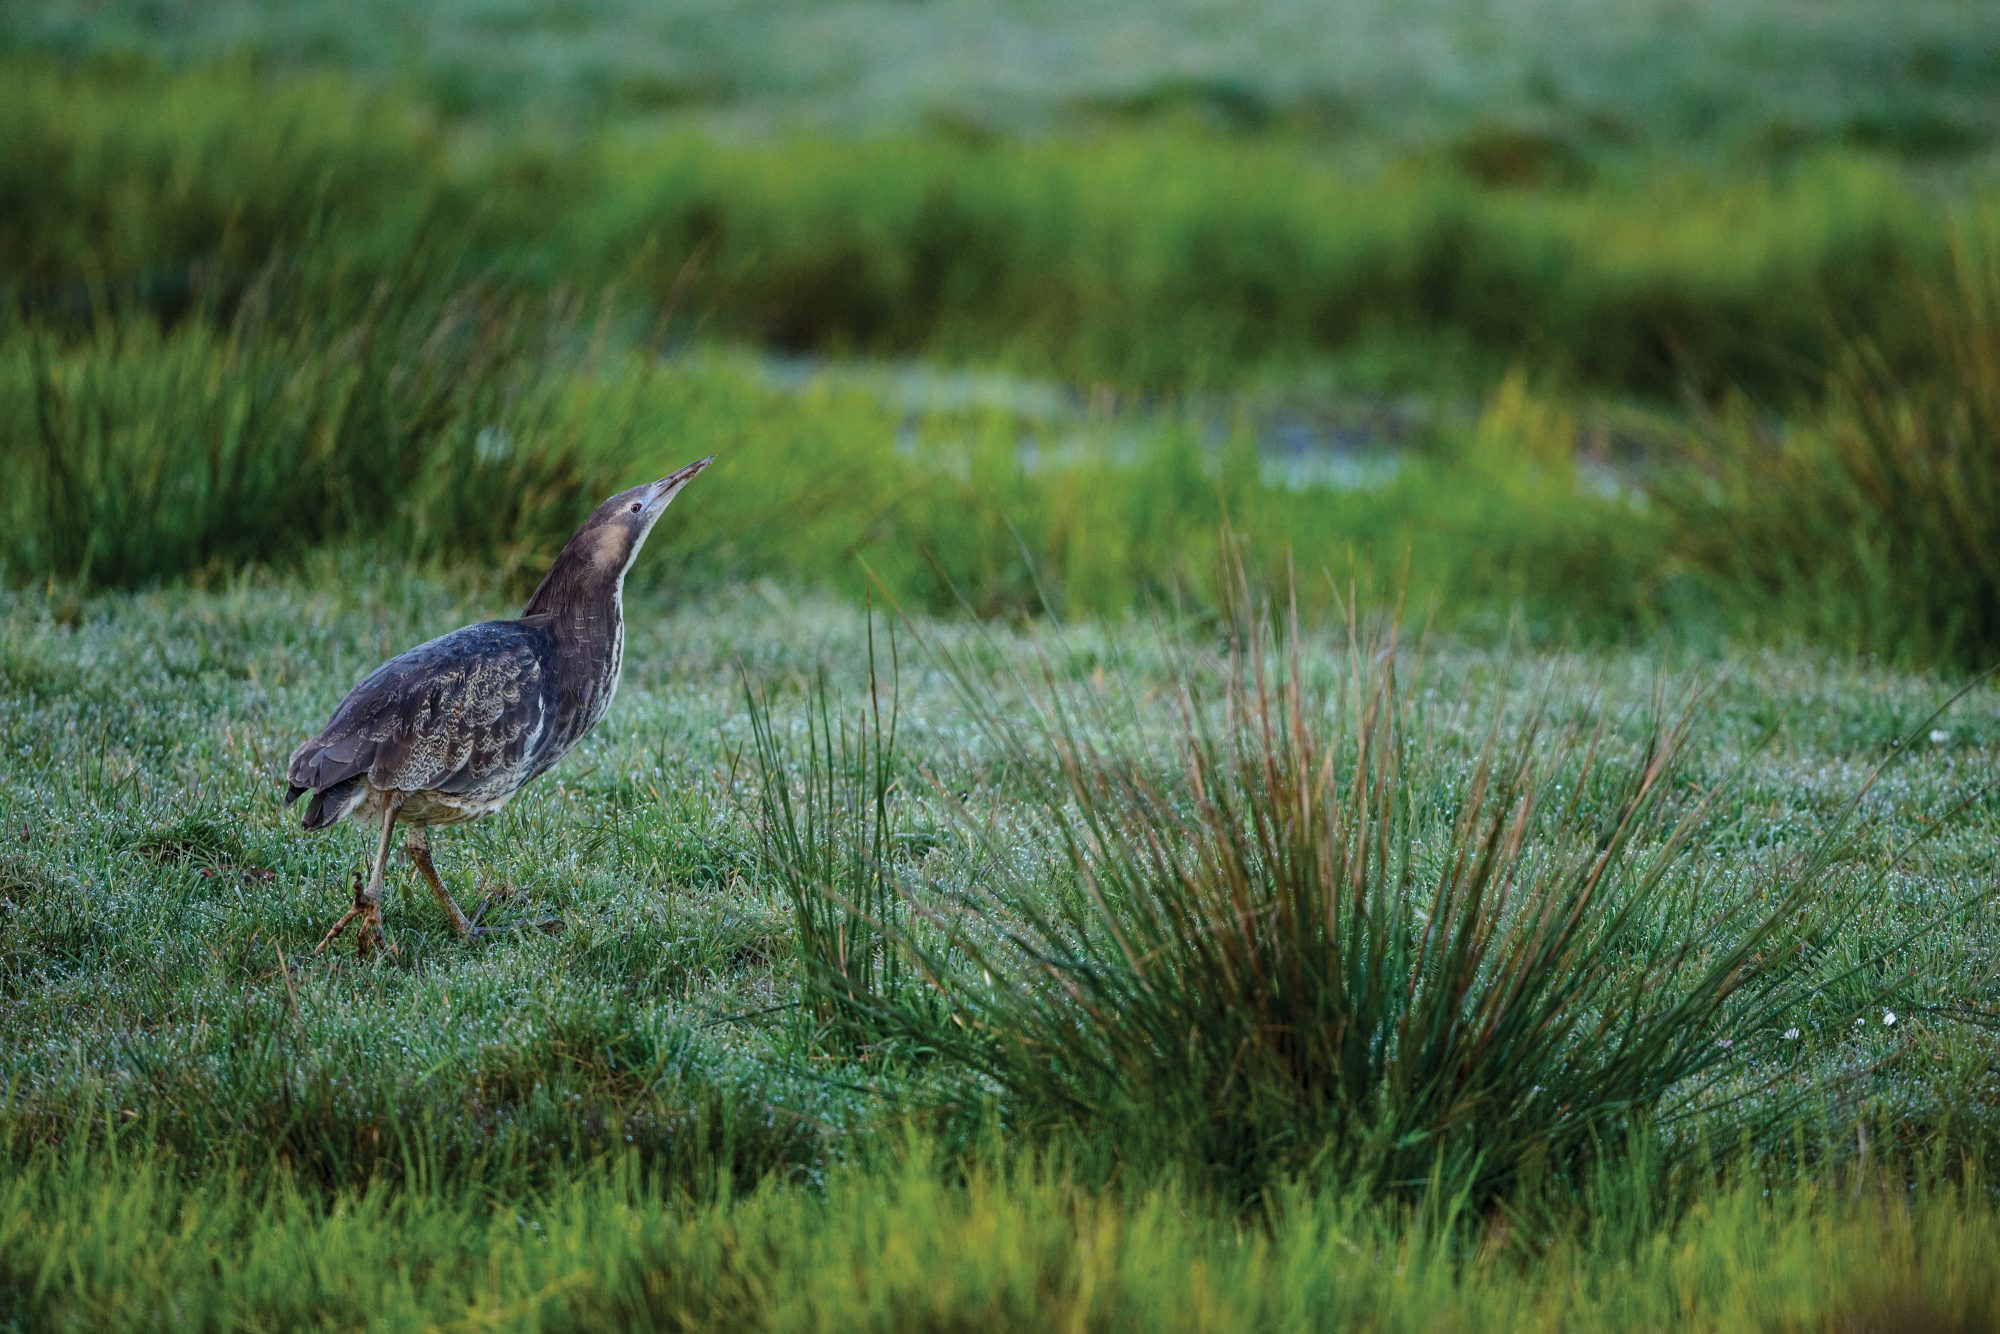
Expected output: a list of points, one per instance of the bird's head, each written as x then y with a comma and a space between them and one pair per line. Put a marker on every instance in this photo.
616, 530
604, 548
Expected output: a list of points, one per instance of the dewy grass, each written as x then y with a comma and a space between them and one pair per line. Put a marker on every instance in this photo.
625, 1121
827, 835
1290, 945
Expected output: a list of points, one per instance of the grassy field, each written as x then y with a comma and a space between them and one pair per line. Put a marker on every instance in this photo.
1151, 255
1370, 76
1331, 673
651, 1111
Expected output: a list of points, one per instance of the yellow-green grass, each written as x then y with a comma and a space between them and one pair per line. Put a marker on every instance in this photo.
114, 1240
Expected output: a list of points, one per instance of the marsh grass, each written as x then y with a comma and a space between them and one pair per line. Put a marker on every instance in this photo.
124, 185
1874, 522
147, 451
1513, 99
1292, 943
470, 425
389, 348
1144, 257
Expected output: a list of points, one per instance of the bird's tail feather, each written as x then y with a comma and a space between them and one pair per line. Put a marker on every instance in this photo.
334, 804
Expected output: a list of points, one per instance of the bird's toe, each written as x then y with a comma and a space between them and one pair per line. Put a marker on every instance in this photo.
548, 923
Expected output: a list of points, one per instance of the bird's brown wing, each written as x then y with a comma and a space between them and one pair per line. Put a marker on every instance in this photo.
454, 715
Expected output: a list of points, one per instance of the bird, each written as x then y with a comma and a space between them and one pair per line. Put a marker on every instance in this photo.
451, 730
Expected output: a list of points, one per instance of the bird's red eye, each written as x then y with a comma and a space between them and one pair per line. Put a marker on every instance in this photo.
636, 507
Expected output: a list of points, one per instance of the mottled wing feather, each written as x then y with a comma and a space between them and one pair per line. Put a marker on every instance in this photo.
451, 716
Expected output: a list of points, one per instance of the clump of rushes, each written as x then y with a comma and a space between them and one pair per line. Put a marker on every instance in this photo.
826, 832
1319, 939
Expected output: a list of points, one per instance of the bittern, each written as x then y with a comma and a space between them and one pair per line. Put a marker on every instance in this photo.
452, 729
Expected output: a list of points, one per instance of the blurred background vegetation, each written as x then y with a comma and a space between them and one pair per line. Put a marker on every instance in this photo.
1598, 319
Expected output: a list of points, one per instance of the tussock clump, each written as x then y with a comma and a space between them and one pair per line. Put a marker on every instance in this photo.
1323, 938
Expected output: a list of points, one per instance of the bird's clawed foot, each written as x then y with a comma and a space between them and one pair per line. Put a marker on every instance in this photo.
366, 936
544, 922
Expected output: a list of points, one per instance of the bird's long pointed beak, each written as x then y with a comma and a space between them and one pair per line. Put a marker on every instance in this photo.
667, 487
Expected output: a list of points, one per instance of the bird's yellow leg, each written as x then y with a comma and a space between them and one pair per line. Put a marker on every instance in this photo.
368, 902
418, 850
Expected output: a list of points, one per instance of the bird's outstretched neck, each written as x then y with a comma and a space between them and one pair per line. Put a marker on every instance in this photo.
581, 598
579, 612
586, 582
581, 605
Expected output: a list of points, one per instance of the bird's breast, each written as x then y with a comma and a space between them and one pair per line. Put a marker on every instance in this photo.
579, 691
